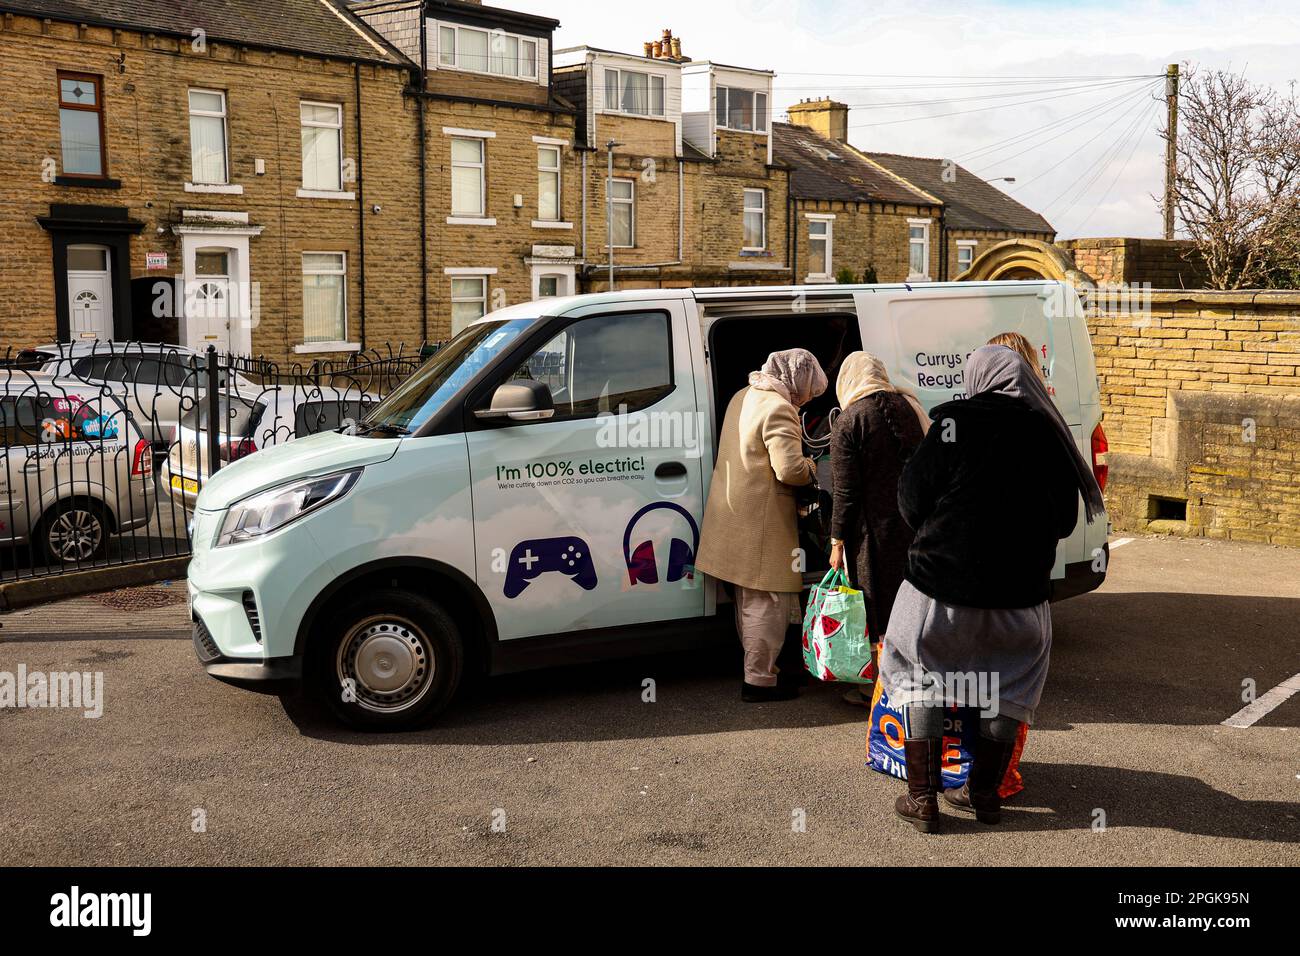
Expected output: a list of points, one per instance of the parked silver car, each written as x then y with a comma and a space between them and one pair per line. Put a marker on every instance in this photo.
251, 419
75, 468
158, 383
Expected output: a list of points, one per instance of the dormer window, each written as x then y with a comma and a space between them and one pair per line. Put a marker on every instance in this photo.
487, 51
629, 91
738, 109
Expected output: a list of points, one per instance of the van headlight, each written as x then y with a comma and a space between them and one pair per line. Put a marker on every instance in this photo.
274, 508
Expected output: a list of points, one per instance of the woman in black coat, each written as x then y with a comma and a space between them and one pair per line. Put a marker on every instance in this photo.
878, 428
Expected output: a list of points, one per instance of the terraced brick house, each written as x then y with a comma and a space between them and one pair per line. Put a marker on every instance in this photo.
205, 174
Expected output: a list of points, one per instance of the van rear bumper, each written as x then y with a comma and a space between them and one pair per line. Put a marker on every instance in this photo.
1080, 578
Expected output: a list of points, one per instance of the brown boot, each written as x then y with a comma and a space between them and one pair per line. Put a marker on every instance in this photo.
920, 805
980, 791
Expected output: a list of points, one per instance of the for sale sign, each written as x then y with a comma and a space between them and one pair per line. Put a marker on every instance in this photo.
155, 260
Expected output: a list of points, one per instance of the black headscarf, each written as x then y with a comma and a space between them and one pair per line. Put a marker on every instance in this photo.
999, 370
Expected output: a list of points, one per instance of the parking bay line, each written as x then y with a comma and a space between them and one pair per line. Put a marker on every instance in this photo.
1261, 706
1119, 543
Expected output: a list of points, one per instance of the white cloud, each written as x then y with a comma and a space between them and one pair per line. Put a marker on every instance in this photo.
978, 38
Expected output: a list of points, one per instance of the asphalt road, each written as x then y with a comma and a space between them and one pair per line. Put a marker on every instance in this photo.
581, 770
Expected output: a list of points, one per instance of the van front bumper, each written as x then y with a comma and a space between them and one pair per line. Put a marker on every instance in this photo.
268, 675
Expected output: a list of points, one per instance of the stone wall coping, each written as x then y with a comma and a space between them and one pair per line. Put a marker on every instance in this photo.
1216, 298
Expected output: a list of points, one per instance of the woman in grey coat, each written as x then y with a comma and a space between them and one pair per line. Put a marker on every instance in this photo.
992, 488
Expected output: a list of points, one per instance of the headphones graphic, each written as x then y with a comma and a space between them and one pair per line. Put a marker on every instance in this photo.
641, 564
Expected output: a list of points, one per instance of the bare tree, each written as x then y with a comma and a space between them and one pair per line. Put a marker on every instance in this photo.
1237, 184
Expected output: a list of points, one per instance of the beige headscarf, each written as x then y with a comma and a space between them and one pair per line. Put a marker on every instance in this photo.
862, 374
794, 374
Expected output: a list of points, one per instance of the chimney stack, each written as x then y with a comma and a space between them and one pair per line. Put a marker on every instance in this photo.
668, 47
824, 116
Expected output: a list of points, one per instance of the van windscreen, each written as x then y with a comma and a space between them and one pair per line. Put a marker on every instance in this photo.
446, 372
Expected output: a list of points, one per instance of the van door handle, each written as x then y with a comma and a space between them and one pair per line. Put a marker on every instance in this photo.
671, 469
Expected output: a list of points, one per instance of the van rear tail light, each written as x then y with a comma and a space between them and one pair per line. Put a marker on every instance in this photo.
235, 450
142, 459
1100, 470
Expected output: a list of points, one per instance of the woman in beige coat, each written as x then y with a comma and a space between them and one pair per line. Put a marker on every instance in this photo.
750, 536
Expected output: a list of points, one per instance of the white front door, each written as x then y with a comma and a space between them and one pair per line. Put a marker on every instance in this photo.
208, 307
90, 293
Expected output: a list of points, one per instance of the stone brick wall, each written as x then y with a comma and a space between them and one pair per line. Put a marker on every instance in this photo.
1201, 402
985, 239
1164, 263
148, 152
866, 235
511, 171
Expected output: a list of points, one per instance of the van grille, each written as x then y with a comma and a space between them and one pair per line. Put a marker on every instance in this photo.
254, 620
204, 646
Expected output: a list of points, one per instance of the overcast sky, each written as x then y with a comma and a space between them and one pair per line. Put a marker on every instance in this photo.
1092, 174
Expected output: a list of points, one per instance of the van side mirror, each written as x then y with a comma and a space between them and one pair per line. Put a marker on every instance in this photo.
520, 399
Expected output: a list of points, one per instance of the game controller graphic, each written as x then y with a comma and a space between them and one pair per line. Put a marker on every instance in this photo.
531, 559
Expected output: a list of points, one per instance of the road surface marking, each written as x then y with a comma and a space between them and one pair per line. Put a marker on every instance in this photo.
1119, 543
1263, 705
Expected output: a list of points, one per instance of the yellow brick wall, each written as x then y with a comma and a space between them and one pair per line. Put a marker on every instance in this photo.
511, 157
147, 142
867, 234
1201, 399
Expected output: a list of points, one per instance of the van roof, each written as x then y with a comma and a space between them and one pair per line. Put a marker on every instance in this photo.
562, 305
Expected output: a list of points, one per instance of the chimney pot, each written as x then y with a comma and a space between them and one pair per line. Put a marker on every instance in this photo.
677, 48
649, 48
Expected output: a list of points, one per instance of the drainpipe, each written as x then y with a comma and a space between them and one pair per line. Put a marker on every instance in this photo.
361, 207
609, 208
424, 217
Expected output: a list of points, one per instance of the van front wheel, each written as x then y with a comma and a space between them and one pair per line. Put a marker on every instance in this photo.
390, 660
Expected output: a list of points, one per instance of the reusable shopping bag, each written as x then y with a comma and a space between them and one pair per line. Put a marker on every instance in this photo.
835, 642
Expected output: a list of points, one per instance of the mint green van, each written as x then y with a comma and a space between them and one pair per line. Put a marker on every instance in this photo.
533, 494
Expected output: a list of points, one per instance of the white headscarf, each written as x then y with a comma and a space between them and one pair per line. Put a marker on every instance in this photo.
862, 374
794, 374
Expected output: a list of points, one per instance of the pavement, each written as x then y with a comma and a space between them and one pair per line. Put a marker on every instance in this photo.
1130, 762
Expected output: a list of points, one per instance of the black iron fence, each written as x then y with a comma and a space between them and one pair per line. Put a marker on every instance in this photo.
104, 447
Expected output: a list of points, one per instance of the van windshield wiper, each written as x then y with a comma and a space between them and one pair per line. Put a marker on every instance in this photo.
367, 428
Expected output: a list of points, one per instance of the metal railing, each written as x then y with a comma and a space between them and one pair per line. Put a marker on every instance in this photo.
104, 447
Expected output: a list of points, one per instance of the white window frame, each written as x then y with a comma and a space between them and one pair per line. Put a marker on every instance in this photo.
558, 171
486, 69
225, 136
337, 345
610, 200
761, 209
963, 244
828, 220
754, 109
462, 217
618, 92
316, 191
455, 273
925, 247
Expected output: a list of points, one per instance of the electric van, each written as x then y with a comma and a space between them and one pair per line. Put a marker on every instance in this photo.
532, 495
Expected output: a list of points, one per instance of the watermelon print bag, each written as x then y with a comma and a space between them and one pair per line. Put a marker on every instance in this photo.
835, 643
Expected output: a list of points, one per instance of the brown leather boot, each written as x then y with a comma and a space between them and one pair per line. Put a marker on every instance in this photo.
980, 791
920, 805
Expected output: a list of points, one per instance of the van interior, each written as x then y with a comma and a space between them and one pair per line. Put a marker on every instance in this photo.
740, 344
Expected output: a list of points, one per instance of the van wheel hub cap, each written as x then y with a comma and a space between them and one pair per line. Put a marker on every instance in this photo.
388, 662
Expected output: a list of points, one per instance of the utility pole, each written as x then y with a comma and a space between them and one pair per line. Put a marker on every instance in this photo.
609, 207
1171, 145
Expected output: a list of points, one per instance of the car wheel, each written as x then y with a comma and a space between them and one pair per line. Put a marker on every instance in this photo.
389, 660
73, 533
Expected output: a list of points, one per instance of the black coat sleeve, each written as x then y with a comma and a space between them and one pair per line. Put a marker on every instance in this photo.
846, 476
923, 478
1065, 491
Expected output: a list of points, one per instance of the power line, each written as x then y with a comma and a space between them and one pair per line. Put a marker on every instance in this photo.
984, 96
1136, 142
932, 86
1106, 160
1020, 137
981, 109
1123, 114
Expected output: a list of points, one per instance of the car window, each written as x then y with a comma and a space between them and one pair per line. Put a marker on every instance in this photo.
105, 368
326, 415
610, 363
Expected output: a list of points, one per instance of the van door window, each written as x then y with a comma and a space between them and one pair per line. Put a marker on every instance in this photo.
611, 363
